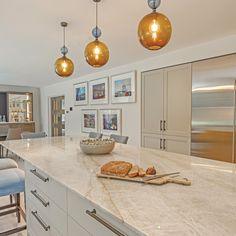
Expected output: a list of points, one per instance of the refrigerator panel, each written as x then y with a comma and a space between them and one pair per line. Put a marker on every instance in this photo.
213, 108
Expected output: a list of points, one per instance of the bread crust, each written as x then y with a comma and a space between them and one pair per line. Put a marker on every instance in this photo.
134, 171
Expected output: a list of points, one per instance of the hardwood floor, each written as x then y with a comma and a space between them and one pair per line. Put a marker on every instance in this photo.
10, 221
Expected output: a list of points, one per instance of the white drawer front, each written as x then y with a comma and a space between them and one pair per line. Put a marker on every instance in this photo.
56, 215
77, 208
50, 187
39, 226
75, 229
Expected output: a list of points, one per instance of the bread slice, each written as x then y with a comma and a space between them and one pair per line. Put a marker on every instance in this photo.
133, 172
141, 172
116, 168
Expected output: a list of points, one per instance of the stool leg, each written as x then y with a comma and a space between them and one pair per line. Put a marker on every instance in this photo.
11, 200
18, 207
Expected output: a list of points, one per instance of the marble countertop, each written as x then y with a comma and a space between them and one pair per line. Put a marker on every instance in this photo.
208, 207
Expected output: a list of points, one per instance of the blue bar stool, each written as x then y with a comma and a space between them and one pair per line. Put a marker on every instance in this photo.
12, 182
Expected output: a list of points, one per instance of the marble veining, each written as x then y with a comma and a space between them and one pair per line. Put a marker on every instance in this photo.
208, 207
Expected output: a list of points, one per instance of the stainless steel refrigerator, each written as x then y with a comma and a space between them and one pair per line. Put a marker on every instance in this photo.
213, 108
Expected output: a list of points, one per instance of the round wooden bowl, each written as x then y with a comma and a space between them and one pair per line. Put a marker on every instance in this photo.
97, 146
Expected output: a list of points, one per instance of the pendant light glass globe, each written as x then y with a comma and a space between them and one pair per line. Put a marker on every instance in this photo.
96, 53
154, 30
64, 67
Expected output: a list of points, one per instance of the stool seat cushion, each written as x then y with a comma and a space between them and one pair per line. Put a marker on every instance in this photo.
12, 181
6, 163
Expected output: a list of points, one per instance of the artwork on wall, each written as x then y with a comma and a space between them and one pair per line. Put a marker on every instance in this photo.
110, 121
98, 91
89, 121
123, 88
81, 94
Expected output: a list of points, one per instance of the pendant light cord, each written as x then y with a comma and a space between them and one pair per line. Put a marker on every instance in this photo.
96, 14
64, 36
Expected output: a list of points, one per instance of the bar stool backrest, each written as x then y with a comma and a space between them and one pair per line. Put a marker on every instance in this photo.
14, 133
29, 135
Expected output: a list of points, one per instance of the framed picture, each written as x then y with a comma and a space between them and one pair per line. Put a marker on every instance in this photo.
81, 94
123, 88
98, 91
89, 121
110, 121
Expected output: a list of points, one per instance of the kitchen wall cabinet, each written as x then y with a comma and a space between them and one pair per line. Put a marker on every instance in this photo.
166, 109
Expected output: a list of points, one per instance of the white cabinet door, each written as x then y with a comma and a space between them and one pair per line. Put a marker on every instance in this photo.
152, 101
177, 105
177, 144
154, 141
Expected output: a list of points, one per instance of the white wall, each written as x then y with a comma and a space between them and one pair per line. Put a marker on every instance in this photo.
36, 99
131, 113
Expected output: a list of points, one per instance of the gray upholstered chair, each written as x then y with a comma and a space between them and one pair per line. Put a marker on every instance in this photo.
95, 135
29, 135
13, 134
119, 138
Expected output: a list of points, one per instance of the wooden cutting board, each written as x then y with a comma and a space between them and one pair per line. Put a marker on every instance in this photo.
158, 181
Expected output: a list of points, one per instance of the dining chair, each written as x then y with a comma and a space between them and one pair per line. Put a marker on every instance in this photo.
30, 135
119, 138
95, 135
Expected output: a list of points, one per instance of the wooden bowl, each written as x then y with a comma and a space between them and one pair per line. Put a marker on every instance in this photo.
97, 146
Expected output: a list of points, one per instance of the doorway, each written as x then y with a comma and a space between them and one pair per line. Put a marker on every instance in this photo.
58, 116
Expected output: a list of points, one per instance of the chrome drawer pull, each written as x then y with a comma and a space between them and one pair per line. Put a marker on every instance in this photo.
34, 192
41, 222
39, 175
103, 222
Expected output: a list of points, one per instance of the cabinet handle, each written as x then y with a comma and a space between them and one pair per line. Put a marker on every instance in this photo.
34, 192
160, 125
39, 219
44, 179
164, 145
164, 126
161, 143
94, 215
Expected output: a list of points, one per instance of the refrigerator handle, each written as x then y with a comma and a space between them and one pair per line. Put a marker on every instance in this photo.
160, 125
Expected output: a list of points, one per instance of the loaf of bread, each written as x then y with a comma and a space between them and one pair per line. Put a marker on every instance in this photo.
116, 168
133, 171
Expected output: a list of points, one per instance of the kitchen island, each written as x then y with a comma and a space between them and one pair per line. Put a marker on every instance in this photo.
58, 171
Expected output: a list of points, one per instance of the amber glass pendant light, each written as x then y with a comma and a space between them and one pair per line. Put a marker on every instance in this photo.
96, 52
64, 67
154, 30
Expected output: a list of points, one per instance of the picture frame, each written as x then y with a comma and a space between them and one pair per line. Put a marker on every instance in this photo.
81, 94
123, 88
98, 91
110, 121
89, 120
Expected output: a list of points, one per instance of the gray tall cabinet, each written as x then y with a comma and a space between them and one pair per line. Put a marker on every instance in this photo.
166, 109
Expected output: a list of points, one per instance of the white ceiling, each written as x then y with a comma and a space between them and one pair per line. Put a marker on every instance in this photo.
31, 36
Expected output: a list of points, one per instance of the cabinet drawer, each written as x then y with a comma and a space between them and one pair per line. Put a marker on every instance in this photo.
47, 185
77, 207
38, 223
56, 215
75, 229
